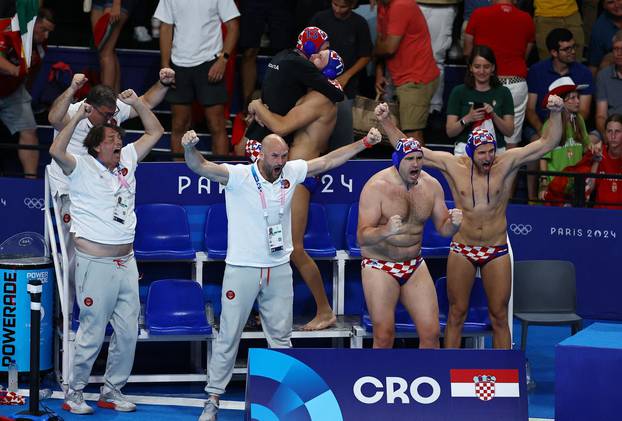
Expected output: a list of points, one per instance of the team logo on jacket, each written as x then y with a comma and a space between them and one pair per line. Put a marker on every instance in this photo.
124, 172
88, 301
66, 218
230, 295
285, 184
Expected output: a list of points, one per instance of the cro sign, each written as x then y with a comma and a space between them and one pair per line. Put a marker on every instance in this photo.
370, 384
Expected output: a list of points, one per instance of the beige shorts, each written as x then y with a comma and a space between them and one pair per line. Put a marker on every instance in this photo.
414, 101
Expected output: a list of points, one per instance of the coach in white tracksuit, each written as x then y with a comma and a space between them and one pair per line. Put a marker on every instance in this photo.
258, 199
102, 187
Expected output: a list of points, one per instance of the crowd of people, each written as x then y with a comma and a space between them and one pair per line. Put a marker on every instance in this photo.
301, 125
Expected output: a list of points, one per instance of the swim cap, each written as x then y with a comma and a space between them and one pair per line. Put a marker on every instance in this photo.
252, 149
335, 65
477, 138
404, 147
310, 40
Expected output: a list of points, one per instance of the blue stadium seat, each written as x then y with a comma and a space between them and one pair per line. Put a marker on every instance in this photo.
176, 307
162, 233
317, 239
403, 322
351, 224
216, 231
477, 318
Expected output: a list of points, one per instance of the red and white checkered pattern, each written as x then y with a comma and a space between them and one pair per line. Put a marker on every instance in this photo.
477, 254
485, 391
253, 149
11, 398
401, 270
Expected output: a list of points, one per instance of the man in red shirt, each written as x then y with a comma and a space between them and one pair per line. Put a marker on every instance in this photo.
510, 33
609, 190
15, 110
404, 43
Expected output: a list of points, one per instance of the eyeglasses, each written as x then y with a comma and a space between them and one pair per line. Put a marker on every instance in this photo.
568, 49
107, 116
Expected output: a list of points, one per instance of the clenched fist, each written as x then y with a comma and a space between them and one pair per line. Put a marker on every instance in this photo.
555, 104
78, 81
382, 111
373, 137
455, 215
395, 225
189, 139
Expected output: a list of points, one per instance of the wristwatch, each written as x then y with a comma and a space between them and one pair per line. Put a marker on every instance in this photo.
223, 54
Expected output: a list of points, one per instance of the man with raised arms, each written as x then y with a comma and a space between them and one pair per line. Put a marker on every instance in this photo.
481, 184
394, 206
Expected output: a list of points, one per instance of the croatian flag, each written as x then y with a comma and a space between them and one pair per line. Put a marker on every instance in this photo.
484, 384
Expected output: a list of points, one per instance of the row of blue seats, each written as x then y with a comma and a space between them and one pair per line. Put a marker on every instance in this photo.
163, 233
173, 307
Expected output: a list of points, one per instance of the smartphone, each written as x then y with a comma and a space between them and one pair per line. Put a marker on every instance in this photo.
478, 105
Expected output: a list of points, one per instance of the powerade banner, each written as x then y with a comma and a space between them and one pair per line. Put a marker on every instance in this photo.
16, 315
392, 384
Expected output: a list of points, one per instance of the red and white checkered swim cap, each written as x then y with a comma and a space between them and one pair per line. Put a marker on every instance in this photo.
252, 149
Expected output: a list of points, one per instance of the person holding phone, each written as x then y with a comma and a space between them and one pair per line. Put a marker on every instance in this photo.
481, 101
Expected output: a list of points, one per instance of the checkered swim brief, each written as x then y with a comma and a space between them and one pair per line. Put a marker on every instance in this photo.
400, 271
479, 255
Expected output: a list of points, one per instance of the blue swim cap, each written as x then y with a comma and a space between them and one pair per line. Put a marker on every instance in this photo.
335, 65
477, 138
404, 147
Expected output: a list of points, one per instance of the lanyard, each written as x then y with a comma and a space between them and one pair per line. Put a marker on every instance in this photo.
262, 197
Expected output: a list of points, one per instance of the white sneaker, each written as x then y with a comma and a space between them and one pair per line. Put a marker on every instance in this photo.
141, 34
210, 410
74, 403
114, 399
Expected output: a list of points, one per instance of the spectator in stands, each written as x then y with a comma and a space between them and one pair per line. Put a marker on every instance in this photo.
290, 75
15, 101
119, 11
509, 32
439, 16
481, 97
197, 53
608, 23
102, 186
403, 42
350, 38
609, 190
106, 109
574, 142
562, 62
481, 183
551, 14
394, 205
609, 86
469, 8
278, 17
257, 261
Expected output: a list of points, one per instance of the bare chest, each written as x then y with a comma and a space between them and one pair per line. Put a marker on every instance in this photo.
414, 206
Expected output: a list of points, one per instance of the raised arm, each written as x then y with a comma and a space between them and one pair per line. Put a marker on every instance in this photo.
340, 156
200, 165
313, 105
153, 128
58, 150
446, 222
548, 141
155, 95
431, 158
58, 112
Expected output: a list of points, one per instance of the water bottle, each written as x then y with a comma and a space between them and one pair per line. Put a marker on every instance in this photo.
12, 377
209, 312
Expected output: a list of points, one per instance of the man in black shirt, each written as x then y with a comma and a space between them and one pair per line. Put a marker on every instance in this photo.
290, 76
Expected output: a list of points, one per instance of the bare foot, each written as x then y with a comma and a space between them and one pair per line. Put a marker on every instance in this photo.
321, 321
